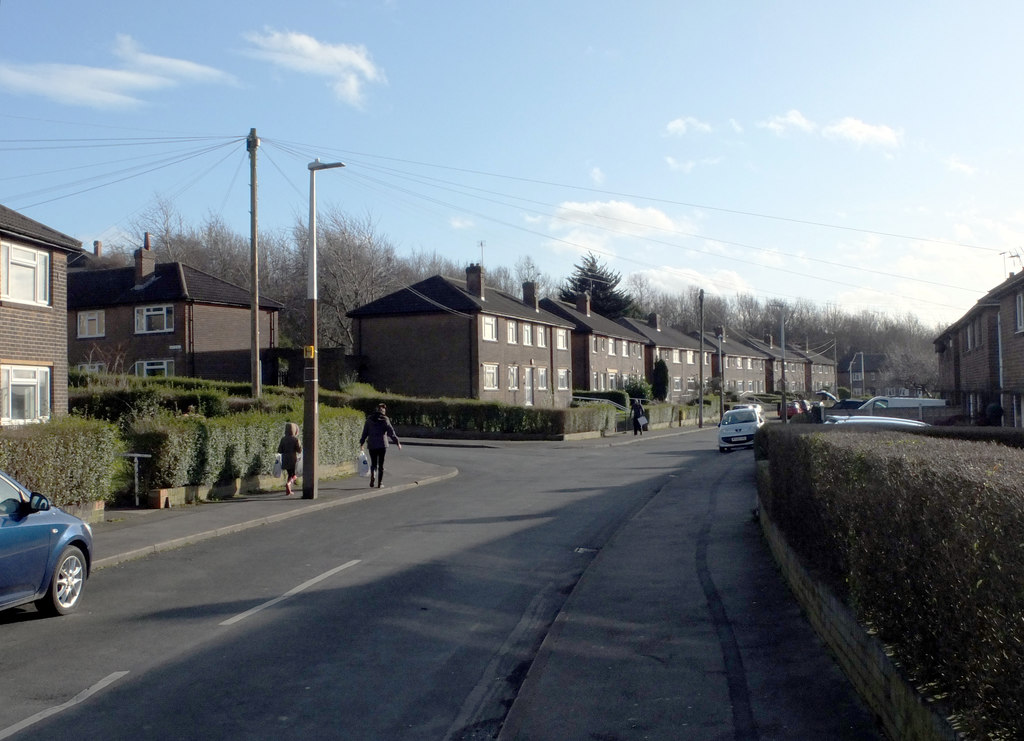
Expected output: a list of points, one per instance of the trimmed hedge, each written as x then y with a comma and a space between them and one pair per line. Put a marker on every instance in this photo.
193, 450
72, 461
925, 538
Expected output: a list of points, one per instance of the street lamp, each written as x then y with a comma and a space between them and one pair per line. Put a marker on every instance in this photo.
311, 383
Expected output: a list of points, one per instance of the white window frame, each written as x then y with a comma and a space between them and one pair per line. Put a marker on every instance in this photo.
1019, 311
490, 328
18, 380
541, 377
561, 339
17, 260
527, 334
91, 323
144, 315
490, 377
513, 378
611, 346
541, 336
92, 367
625, 348
143, 367
563, 379
513, 332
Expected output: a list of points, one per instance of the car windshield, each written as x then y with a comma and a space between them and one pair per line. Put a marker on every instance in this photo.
739, 415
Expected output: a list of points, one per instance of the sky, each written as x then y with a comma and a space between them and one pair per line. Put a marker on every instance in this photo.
867, 157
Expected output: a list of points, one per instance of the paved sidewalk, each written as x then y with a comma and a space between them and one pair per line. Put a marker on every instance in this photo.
132, 533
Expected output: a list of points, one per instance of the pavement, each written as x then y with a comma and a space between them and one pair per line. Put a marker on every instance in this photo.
615, 591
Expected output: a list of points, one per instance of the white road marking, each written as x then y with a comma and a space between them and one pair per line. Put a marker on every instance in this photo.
290, 593
80, 697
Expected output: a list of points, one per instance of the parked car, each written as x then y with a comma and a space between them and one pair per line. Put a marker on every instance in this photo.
737, 428
871, 422
793, 407
45, 553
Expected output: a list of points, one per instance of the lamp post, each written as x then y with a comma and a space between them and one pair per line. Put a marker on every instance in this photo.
311, 381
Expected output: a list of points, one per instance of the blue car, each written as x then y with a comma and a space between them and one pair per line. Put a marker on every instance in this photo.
45, 553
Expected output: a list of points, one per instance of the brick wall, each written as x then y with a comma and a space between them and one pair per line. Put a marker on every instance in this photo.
31, 335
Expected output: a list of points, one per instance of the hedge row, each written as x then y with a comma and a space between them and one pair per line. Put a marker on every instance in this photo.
70, 460
193, 450
925, 538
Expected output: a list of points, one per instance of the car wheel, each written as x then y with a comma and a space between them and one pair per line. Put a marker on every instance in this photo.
65, 591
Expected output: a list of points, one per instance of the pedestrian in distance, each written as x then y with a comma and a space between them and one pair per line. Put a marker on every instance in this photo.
289, 448
639, 417
377, 430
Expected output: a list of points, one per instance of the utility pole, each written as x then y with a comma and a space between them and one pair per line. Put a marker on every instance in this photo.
252, 143
720, 333
700, 363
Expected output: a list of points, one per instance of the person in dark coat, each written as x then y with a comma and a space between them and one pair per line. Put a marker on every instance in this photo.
636, 413
289, 448
377, 430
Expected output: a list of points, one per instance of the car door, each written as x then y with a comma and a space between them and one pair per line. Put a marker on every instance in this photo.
24, 546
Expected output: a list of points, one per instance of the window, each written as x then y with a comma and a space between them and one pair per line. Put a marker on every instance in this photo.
691, 357
91, 323
676, 355
1020, 312
561, 339
542, 336
563, 379
491, 376
24, 394
513, 377
593, 343
24, 274
527, 334
153, 368
611, 345
92, 367
613, 379
542, 379
513, 332
149, 319
625, 349
490, 329
677, 383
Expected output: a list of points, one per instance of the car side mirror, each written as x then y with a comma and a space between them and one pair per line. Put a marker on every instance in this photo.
38, 503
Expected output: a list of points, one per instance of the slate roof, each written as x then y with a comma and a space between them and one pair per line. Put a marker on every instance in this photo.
595, 323
666, 337
733, 347
170, 281
17, 225
438, 294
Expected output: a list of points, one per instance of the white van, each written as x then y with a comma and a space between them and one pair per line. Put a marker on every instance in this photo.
876, 403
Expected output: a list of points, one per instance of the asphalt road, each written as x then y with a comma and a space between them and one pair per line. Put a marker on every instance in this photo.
430, 613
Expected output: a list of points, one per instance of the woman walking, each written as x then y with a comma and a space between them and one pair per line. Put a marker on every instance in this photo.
289, 448
377, 430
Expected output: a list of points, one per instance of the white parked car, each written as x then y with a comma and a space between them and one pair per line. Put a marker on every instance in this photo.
737, 429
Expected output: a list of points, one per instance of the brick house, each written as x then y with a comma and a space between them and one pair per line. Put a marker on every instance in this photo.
605, 354
747, 368
863, 373
981, 355
163, 319
33, 319
819, 371
680, 351
448, 337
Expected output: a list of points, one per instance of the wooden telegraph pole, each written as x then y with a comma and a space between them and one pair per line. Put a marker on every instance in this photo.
252, 143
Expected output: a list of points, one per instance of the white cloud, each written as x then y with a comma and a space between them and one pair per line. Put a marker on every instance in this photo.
682, 126
596, 175
955, 164
457, 222
735, 125
348, 67
855, 130
793, 120
677, 166
107, 88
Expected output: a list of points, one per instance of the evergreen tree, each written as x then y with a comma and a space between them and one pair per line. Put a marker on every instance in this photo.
659, 380
594, 276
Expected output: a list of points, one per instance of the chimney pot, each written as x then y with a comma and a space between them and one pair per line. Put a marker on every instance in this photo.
97, 248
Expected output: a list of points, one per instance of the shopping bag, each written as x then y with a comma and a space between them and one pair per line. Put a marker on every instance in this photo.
277, 465
364, 464
642, 420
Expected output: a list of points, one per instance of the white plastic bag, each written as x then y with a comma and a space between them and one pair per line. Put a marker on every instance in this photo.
364, 464
277, 465
642, 420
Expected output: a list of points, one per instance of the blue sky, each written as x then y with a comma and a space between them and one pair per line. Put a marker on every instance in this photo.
867, 157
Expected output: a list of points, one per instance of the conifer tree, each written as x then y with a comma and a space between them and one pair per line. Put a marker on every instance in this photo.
594, 276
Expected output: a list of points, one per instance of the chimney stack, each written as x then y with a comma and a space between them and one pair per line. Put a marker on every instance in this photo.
145, 263
97, 248
654, 321
583, 303
530, 295
475, 280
